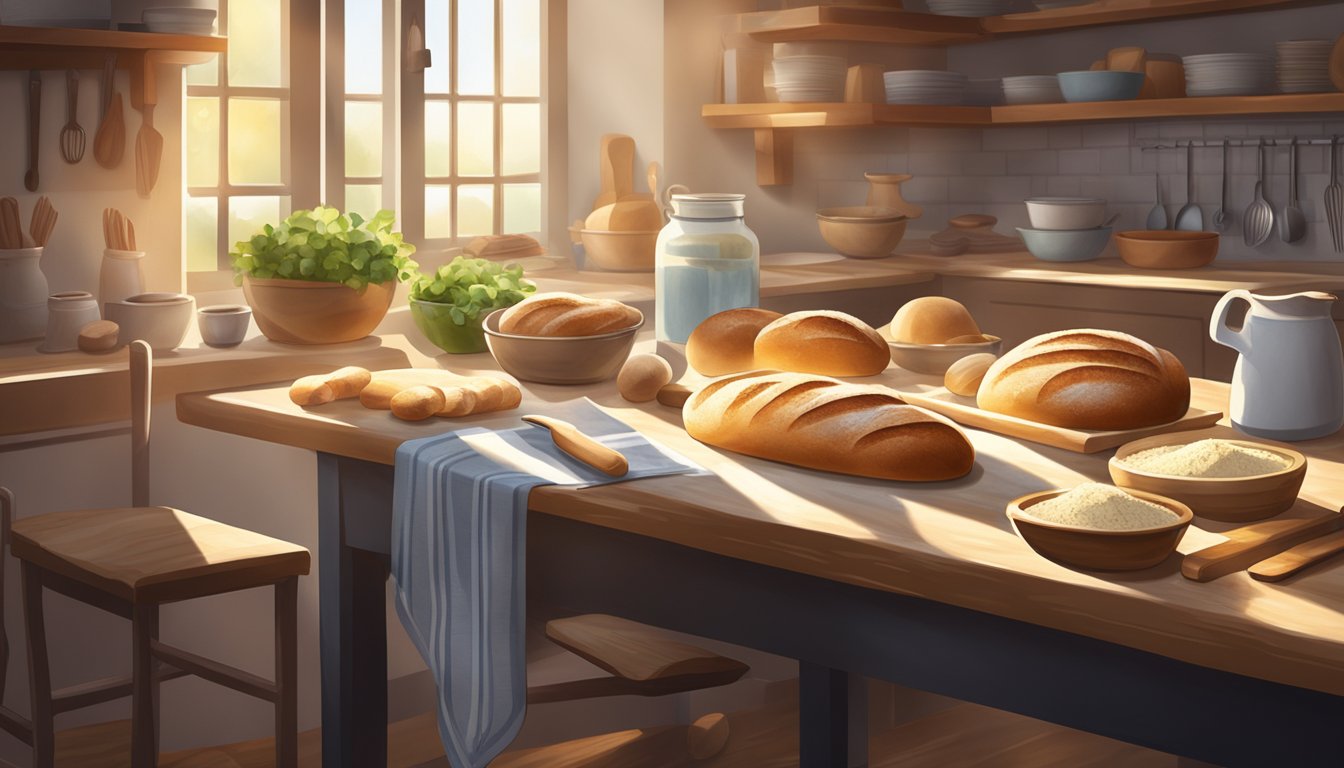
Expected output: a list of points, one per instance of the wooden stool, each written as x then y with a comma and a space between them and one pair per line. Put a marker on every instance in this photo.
129, 561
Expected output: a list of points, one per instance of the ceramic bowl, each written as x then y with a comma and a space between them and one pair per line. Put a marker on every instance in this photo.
223, 325
1100, 85
1066, 212
1229, 499
310, 312
935, 359
1100, 550
67, 313
862, 232
161, 319
559, 359
1066, 244
1167, 249
619, 251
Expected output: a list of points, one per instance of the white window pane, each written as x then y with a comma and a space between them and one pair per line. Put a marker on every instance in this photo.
522, 208
521, 59
364, 199
475, 139
438, 138
254, 141
437, 32
202, 231
205, 73
202, 140
363, 138
247, 216
363, 46
475, 210
521, 147
255, 38
476, 47
438, 211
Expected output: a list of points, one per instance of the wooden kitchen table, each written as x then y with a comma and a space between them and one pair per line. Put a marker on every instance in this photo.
925, 585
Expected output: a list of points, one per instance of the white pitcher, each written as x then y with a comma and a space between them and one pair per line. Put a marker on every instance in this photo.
1288, 383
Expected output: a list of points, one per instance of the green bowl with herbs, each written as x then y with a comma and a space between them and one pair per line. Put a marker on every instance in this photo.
449, 304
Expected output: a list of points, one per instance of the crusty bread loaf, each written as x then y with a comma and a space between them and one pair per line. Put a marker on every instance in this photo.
1087, 379
821, 423
828, 343
725, 342
567, 314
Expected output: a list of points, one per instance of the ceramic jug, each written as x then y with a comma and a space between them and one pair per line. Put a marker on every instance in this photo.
1288, 383
23, 295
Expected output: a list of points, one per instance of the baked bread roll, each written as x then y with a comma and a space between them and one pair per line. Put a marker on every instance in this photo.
567, 314
1087, 379
725, 342
821, 423
932, 320
828, 343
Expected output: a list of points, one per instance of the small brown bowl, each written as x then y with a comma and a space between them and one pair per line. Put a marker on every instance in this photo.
1100, 550
935, 359
1167, 249
559, 359
1227, 499
862, 232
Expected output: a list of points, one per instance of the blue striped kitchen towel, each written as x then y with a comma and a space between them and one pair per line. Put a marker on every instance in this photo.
459, 531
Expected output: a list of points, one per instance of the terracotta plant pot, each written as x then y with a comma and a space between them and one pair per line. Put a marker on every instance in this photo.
308, 312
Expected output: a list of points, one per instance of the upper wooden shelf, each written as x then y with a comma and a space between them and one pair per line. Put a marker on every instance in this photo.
878, 25
109, 40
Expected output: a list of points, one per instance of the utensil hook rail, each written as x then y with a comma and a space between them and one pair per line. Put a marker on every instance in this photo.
1269, 142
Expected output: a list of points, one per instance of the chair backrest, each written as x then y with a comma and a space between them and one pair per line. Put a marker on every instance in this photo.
142, 373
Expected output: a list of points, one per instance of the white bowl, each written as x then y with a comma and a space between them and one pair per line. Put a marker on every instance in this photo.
1066, 212
161, 319
223, 325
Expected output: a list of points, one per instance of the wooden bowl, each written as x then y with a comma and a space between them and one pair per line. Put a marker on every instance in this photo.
1100, 550
559, 359
311, 312
1229, 499
862, 232
1167, 249
619, 251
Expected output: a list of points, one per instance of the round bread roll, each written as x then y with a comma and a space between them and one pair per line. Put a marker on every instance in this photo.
824, 342
1087, 379
417, 403
567, 314
642, 376
932, 320
725, 342
964, 376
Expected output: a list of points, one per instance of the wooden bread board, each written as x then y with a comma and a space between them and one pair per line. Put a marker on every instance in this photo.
964, 411
491, 394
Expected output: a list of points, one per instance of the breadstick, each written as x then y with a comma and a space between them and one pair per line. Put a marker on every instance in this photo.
417, 403
457, 401
325, 387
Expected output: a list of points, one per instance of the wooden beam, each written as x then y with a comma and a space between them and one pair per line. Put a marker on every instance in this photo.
774, 157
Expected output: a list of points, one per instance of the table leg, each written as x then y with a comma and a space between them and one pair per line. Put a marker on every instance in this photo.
823, 717
353, 633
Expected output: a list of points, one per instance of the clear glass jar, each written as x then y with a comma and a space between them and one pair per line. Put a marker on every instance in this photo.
706, 261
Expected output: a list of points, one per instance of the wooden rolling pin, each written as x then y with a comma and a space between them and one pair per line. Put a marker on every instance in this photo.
1250, 544
1291, 561
569, 439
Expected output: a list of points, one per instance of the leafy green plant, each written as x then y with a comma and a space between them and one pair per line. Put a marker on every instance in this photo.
472, 287
325, 245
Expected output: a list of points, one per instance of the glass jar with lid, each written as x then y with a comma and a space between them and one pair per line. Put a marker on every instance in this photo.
707, 261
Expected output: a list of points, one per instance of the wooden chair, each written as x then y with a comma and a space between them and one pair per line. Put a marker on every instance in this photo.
129, 561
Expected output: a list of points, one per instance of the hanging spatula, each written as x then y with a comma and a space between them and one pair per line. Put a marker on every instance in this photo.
109, 143
1334, 200
148, 153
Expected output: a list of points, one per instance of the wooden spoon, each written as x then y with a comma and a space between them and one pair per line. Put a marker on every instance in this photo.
148, 153
30, 178
1252, 543
569, 439
109, 143
1291, 561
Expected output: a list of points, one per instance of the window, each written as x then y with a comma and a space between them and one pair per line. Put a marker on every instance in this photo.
236, 129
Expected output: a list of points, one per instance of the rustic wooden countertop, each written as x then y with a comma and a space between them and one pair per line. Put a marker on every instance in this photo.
948, 542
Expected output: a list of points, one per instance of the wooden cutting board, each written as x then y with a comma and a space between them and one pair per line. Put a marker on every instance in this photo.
1249, 544
964, 411
492, 394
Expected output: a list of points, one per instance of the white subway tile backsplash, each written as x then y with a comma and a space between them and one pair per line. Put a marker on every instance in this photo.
1003, 189
925, 189
1038, 162
1181, 130
945, 139
1107, 135
936, 163
835, 193
1063, 186
1065, 137
985, 164
1079, 161
1136, 189
1114, 160
1015, 138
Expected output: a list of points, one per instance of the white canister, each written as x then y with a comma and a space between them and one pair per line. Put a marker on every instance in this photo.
121, 277
67, 314
23, 295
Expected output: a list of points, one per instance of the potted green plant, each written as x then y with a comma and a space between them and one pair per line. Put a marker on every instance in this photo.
449, 304
321, 276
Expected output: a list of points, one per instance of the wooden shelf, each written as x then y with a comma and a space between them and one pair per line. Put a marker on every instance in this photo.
140, 53
877, 25
772, 122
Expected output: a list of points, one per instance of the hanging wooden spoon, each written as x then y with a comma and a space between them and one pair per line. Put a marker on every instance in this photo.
109, 144
30, 178
148, 153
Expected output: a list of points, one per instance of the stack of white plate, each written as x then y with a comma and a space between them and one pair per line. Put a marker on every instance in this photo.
970, 7
1304, 66
984, 93
810, 78
180, 21
1032, 89
925, 86
1229, 74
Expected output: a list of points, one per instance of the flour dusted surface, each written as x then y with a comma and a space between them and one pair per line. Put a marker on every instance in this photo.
1206, 458
1104, 507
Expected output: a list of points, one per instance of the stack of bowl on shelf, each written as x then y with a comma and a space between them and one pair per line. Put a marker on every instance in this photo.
809, 78
1303, 66
1229, 74
969, 7
925, 86
1032, 89
1066, 228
